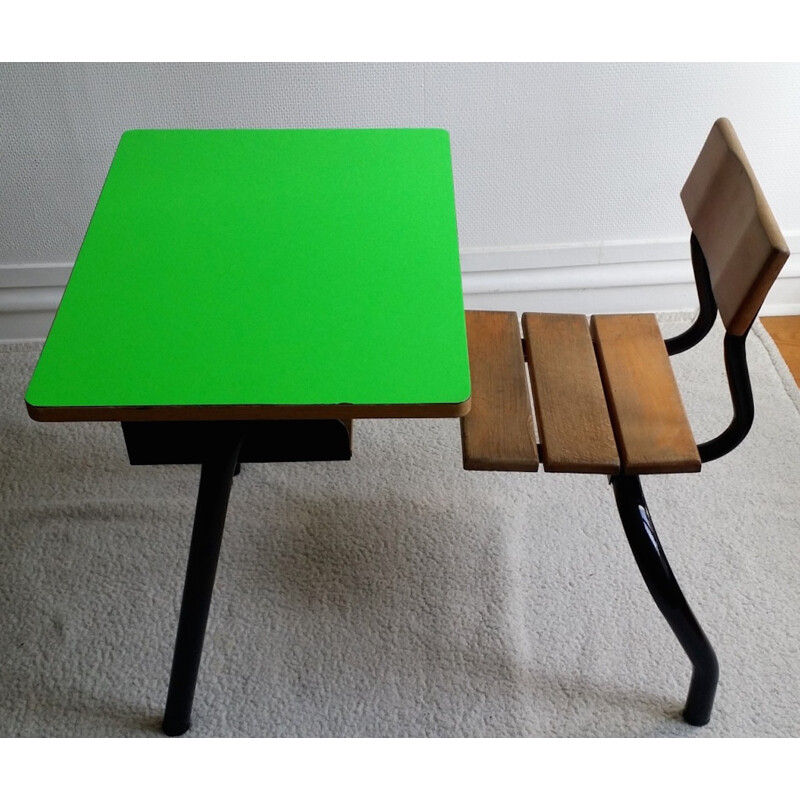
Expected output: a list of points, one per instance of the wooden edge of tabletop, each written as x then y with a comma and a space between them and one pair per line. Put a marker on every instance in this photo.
233, 413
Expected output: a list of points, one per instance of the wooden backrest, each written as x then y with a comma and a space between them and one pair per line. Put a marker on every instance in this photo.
741, 241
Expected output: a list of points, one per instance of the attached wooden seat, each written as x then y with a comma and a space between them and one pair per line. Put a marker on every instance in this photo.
605, 395
650, 424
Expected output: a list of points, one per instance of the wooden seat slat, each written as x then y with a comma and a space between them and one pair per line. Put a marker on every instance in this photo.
650, 422
571, 413
497, 433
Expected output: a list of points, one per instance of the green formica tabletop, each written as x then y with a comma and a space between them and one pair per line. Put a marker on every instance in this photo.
264, 274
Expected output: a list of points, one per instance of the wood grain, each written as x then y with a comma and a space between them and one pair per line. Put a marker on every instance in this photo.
497, 434
743, 245
215, 413
650, 422
785, 332
571, 412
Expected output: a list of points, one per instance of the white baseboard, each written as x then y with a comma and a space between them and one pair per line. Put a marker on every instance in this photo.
585, 277
29, 297
610, 277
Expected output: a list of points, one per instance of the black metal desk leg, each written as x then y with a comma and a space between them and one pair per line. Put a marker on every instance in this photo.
216, 478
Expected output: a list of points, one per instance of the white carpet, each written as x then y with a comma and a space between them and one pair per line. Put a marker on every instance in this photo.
396, 594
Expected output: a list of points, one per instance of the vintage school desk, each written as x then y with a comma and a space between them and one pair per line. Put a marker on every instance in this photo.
243, 295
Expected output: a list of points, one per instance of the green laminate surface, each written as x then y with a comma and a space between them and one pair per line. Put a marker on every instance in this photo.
265, 267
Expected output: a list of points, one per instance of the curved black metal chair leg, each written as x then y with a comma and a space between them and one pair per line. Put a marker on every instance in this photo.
664, 588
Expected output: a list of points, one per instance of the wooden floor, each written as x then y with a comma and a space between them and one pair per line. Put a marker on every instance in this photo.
785, 332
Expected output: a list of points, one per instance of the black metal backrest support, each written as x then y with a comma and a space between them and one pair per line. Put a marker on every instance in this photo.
708, 305
735, 361
741, 396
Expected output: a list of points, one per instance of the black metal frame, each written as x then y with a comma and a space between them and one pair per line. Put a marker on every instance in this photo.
707, 315
635, 515
665, 590
735, 360
216, 478
184, 442
220, 447
741, 397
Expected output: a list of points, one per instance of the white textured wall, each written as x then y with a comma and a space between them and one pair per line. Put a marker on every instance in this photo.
546, 156
543, 153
